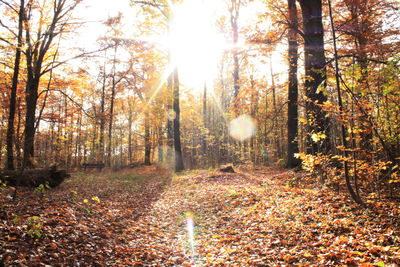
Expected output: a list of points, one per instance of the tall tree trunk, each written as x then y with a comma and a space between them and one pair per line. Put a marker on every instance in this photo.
315, 71
130, 155
275, 121
110, 128
160, 144
193, 152
66, 136
13, 97
266, 140
60, 129
204, 135
254, 110
1, 146
223, 152
78, 142
170, 128
177, 134
111, 115
18, 135
147, 143
35, 55
293, 146
236, 83
235, 32
121, 149
31, 100
94, 138
102, 114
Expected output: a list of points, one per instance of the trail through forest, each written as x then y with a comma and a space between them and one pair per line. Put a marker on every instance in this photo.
200, 218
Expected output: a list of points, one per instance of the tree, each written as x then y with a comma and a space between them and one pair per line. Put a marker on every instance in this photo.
366, 25
353, 194
315, 71
173, 81
204, 136
35, 53
116, 77
234, 9
13, 95
292, 123
177, 134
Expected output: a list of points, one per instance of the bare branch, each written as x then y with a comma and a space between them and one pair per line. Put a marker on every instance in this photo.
357, 57
53, 66
7, 28
10, 6
153, 4
71, 99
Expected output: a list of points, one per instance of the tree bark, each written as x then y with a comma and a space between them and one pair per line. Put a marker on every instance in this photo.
31, 100
170, 128
235, 32
160, 144
275, 121
18, 135
111, 115
102, 113
315, 71
292, 123
78, 142
177, 134
13, 97
147, 143
254, 111
204, 135
130, 150
266, 139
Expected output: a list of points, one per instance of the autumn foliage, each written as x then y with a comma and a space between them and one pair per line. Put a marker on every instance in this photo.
167, 86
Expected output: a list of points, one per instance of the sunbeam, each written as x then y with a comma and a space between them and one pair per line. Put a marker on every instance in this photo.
195, 44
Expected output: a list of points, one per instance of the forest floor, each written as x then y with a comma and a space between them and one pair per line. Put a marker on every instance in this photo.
145, 216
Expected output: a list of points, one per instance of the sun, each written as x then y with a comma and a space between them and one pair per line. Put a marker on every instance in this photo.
195, 44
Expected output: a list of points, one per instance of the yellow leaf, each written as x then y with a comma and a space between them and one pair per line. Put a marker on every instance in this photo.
96, 199
307, 255
358, 253
287, 258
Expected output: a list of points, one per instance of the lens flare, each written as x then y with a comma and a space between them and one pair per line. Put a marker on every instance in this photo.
190, 230
242, 128
171, 115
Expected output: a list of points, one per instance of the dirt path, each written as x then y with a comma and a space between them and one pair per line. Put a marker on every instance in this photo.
256, 219
203, 219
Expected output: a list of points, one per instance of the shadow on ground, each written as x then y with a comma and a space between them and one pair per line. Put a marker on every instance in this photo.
80, 222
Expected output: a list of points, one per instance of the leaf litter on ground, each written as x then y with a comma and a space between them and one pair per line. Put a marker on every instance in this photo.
146, 217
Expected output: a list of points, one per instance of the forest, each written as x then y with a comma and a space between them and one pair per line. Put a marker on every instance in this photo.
199, 133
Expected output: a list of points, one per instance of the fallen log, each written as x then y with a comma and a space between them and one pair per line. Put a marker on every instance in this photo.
99, 166
34, 177
228, 169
